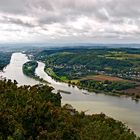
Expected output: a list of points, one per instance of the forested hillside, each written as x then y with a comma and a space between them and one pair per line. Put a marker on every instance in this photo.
35, 113
4, 59
77, 63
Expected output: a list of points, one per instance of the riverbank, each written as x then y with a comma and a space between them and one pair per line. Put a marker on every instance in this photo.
120, 93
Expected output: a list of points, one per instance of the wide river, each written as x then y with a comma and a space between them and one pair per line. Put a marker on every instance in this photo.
120, 108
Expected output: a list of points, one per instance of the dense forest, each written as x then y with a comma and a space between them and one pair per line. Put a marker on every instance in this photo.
35, 113
5, 58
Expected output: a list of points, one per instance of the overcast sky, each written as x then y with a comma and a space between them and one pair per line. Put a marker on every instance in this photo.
96, 21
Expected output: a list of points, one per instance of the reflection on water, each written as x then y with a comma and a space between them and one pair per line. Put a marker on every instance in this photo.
123, 109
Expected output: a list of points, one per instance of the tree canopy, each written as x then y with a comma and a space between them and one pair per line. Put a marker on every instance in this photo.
4, 59
35, 113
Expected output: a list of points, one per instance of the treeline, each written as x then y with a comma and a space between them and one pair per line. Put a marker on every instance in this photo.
35, 113
106, 86
5, 58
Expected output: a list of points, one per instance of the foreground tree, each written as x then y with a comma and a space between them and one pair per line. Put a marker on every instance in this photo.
35, 113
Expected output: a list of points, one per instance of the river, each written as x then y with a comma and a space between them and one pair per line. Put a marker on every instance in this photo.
120, 108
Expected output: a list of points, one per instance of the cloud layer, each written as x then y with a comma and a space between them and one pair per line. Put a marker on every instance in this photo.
69, 20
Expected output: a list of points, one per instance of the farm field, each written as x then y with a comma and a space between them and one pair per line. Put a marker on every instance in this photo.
133, 91
103, 78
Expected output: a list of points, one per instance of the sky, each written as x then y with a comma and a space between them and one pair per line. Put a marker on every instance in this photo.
69, 21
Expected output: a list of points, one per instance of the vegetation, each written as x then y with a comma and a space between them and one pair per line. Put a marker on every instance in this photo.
106, 86
35, 113
52, 73
5, 58
115, 65
76, 63
29, 70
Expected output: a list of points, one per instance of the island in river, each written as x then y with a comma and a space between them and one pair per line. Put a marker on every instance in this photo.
29, 70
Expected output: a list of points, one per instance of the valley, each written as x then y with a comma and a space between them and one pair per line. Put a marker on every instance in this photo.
118, 108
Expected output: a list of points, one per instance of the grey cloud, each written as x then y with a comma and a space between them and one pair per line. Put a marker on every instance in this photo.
107, 13
13, 6
16, 21
61, 10
124, 8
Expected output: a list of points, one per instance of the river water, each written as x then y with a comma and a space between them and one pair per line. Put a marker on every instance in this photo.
120, 108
